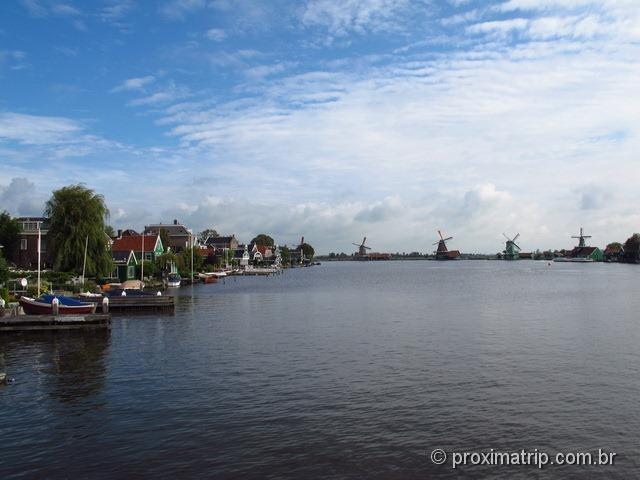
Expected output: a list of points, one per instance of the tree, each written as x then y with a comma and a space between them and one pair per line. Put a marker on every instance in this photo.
4, 270
184, 262
263, 240
632, 248
308, 251
77, 215
9, 233
209, 232
108, 229
285, 255
164, 238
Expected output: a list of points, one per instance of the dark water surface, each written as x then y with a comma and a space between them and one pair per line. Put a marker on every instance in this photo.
347, 370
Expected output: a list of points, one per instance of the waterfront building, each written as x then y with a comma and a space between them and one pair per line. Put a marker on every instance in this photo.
25, 254
224, 243
180, 237
124, 265
149, 245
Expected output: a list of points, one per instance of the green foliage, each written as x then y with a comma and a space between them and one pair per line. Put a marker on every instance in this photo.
263, 240
4, 294
209, 232
108, 229
632, 248
58, 280
184, 264
150, 268
285, 255
4, 271
163, 261
614, 245
77, 213
308, 251
9, 232
164, 238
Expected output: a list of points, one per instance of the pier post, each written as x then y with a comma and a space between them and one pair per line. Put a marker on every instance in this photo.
55, 303
105, 305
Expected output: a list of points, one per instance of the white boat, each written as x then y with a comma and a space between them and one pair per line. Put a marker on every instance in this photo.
173, 280
573, 259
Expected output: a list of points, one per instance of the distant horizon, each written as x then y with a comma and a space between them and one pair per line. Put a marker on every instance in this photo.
330, 119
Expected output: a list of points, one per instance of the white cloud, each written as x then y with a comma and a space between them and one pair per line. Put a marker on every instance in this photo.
216, 34
343, 16
136, 83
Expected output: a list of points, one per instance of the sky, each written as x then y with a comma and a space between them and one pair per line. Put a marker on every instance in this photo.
332, 119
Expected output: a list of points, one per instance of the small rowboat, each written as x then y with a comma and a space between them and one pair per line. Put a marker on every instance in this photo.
66, 305
208, 277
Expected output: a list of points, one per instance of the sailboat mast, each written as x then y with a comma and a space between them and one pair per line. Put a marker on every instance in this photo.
84, 263
39, 250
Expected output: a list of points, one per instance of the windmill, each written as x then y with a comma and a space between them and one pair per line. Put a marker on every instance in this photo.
362, 248
511, 249
582, 236
443, 253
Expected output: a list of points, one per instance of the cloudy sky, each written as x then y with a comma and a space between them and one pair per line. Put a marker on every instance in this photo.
332, 119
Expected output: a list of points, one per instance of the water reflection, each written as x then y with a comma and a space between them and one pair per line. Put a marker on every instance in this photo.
70, 365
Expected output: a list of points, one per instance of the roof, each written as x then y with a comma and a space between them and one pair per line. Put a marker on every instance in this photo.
134, 242
122, 257
219, 240
173, 229
583, 251
612, 249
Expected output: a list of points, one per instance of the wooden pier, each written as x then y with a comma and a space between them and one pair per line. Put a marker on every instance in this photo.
23, 323
137, 304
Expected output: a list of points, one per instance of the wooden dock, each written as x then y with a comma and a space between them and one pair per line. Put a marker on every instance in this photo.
137, 304
23, 323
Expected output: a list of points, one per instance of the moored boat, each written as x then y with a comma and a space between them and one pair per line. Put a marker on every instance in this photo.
573, 259
66, 305
173, 280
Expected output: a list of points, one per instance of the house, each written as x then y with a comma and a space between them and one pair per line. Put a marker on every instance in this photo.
241, 255
180, 237
613, 253
124, 265
25, 254
222, 243
260, 253
151, 245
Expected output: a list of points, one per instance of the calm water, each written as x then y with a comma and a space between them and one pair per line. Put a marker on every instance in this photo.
347, 370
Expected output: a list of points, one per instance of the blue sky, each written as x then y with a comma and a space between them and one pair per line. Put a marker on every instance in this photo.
330, 119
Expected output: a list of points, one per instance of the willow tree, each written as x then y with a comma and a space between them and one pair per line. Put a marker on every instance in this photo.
77, 216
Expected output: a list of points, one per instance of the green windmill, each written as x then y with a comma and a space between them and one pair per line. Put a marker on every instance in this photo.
511, 249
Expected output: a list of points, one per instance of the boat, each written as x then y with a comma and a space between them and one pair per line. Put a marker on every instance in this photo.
573, 259
173, 280
67, 306
208, 277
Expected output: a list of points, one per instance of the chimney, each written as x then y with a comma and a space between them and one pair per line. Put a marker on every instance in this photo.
119, 233
175, 221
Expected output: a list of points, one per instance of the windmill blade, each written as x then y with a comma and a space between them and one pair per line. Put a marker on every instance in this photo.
356, 244
446, 239
516, 245
440, 233
364, 240
436, 243
368, 248
516, 237
503, 234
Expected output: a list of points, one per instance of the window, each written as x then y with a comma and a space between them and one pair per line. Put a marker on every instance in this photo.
43, 246
131, 272
23, 244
